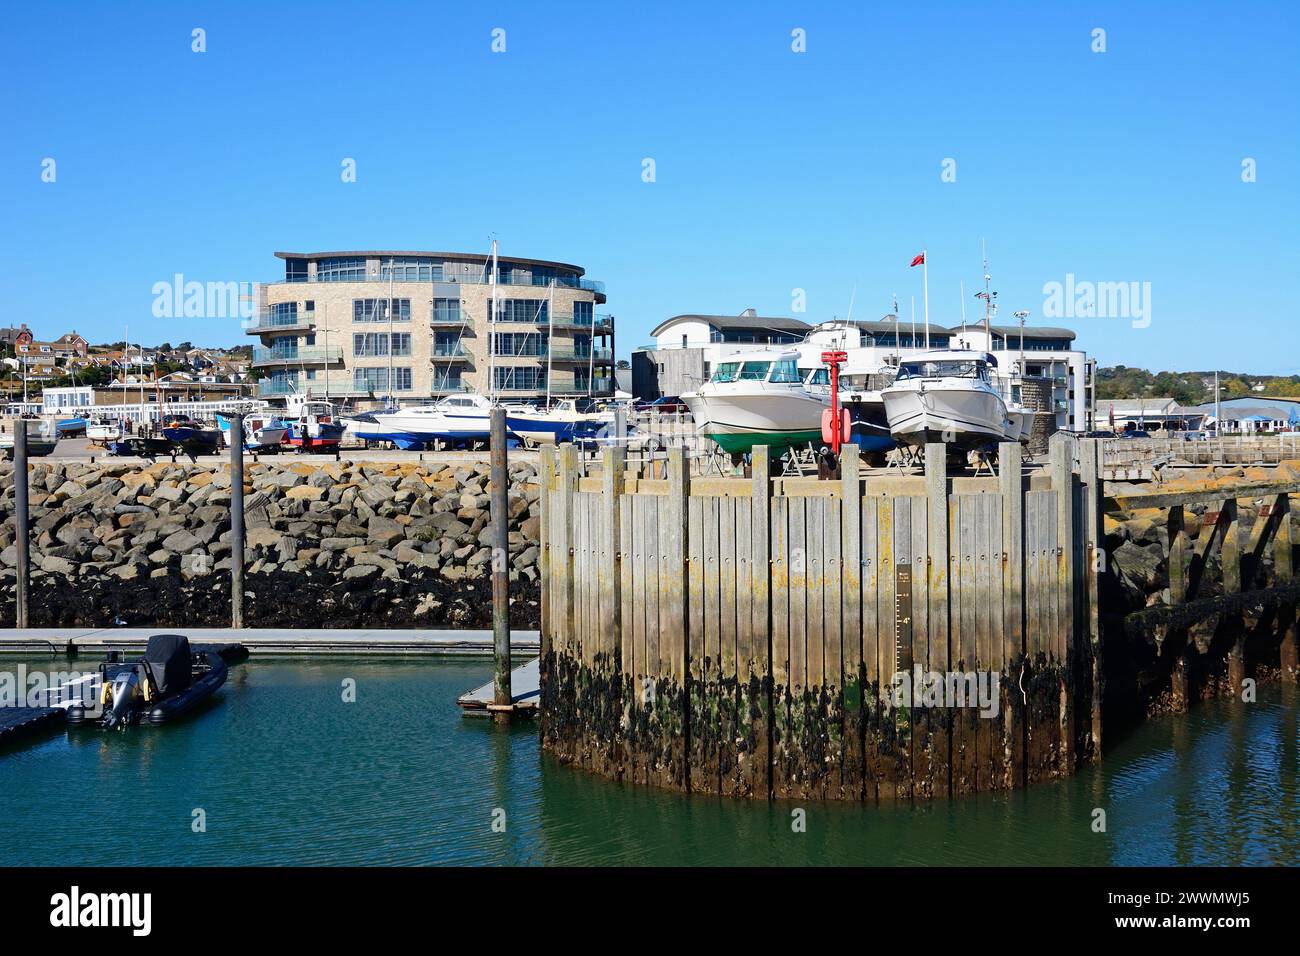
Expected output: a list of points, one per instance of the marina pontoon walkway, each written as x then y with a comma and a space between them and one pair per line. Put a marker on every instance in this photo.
17, 723
271, 641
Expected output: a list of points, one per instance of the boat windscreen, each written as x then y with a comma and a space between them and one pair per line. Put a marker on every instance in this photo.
726, 372
753, 371
946, 369
785, 372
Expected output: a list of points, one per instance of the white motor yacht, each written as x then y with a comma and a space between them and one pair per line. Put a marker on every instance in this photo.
947, 396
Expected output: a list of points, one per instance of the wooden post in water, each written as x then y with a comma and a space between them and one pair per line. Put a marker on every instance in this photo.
1011, 485
1283, 575
22, 532
673, 611
852, 779
546, 485
500, 509
1094, 556
756, 694
237, 520
941, 720
1066, 596
609, 659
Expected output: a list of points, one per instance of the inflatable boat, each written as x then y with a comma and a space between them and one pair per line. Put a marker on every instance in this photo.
167, 683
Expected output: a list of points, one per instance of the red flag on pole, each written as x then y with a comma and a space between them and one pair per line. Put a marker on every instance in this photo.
918, 260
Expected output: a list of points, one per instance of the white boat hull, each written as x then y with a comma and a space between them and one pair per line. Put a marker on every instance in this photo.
964, 418
741, 415
104, 433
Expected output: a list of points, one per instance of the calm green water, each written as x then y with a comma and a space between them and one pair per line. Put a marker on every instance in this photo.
287, 773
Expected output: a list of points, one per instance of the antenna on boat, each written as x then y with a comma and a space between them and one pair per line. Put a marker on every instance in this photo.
988, 296
963, 311
1021, 316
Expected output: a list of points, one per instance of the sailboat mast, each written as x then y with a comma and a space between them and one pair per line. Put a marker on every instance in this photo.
492, 331
925, 281
550, 338
391, 271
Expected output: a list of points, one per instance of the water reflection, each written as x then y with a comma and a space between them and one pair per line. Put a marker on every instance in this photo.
288, 772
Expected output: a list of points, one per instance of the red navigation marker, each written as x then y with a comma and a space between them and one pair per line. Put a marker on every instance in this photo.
835, 425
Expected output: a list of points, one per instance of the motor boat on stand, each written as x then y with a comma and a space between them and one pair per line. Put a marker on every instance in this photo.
456, 419
759, 398
262, 431
313, 424
562, 422
947, 395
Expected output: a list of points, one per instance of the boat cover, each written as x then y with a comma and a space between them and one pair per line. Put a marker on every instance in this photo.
169, 660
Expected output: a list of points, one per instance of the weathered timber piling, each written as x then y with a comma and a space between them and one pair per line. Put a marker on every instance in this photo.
237, 536
889, 636
502, 698
866, 637
23, 534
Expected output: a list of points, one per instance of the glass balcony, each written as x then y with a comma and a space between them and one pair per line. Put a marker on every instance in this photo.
303, 355
600, 321
280, 322
536, 282
450, 351
598, 355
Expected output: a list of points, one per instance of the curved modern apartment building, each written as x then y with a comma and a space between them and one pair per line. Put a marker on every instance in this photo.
406, 326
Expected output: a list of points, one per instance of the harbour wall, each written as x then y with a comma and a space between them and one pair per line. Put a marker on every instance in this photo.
747, 636
337, 544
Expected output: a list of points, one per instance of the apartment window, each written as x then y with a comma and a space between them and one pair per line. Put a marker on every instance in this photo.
447, 380
341, 269
584, 313
446, 310
447, 343
376, 379
518, 343
408, 270
376, 310
522, 310
284, 313
284, 346
370, 344
520, 379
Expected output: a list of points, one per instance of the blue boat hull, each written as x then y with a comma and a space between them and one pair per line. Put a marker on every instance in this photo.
563, 431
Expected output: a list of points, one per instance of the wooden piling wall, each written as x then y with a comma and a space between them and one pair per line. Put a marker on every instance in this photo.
743, 636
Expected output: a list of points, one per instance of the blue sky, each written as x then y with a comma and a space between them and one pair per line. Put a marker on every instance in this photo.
775, 170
